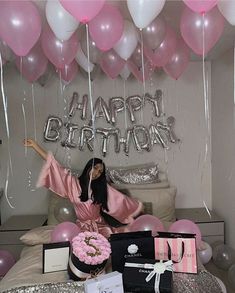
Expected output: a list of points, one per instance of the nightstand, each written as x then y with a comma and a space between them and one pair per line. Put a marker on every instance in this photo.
212, 228
14, 228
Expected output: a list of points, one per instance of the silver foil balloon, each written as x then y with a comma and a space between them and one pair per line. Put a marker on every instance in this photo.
76, 105
101, 110
86, 138
64, 211
116, 104
52, 128
69, 140
156, 137
154, 33
141, 138
133, 103
167, 129
126, 141
155, 101
106, 134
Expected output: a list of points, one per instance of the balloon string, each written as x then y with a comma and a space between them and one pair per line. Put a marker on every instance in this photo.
234, 86
91, 99
6, 189
34, 114
25, 149
4, 99
143, 76
124, 95
9, 165
206, 107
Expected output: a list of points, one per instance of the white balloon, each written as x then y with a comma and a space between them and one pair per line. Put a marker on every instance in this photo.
128, 42
125, 73
62, 23
144, 12
83, 61
227, 8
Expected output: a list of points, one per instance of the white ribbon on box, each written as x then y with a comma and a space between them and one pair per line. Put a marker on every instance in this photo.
157, 269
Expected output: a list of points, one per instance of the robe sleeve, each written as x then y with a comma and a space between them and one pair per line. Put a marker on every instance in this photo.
59, 180
122, 207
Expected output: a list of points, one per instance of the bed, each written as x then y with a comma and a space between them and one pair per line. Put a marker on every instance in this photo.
159, 200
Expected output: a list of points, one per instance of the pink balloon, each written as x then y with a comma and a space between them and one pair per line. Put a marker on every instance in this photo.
59, 52
112, 64
200, 6
83, 10
192, 25
69, 72
6, 262
187, 226
160, 56
138, 72
65, 231
147, 222
178, 61
20, 25
107, 27
33, 65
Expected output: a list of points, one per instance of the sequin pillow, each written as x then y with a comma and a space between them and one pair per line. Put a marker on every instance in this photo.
141, 174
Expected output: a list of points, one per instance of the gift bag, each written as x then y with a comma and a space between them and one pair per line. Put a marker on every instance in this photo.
131, 244
178, 247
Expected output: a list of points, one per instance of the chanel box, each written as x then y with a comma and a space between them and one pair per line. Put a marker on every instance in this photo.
136, 273
55, 256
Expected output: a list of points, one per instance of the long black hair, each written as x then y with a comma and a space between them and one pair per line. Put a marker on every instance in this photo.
99, 190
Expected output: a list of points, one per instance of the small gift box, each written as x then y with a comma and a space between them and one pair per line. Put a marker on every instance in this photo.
147, 275
178, 247
129, 245
90, 252
111, 282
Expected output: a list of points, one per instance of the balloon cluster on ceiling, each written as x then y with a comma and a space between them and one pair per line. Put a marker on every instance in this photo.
117, 46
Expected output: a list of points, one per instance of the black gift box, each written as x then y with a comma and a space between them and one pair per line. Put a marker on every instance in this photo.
134, 278
130, 245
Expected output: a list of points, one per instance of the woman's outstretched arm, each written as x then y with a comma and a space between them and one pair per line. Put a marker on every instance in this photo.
31, 143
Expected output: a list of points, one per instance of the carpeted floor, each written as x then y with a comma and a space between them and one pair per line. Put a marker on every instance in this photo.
221, 274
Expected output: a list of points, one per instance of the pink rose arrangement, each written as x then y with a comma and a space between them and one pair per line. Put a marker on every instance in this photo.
91, 248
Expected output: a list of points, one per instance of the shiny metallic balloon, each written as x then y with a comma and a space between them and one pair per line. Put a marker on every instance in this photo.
52, 128
70, 139
86, 138
133, 103
116, 105
76, 105
101, 110
155, 101
64, 211
223, 256
106, 135
141, 138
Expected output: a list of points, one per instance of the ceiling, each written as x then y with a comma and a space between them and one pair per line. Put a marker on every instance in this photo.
172, 13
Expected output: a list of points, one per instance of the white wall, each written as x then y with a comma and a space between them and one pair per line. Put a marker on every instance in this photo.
223, 142
186, 164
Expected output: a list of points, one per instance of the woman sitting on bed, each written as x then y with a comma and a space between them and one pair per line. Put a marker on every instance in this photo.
98, 206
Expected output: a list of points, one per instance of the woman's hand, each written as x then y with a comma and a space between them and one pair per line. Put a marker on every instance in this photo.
29, 143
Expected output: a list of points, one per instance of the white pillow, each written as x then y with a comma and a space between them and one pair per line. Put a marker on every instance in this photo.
162, 199
37, 235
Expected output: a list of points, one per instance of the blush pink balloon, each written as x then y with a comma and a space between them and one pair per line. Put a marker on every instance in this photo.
20, 25
33, 65
59, 52
69, 72
107, 27
200, 6
192, 25
160, 56
138, 72
112, 64
178, 61
65, 231
6, 262
83, 10
145, 223
187, 226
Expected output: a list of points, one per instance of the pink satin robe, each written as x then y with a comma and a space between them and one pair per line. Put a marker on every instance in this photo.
60, 180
